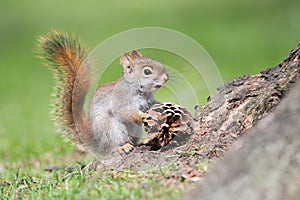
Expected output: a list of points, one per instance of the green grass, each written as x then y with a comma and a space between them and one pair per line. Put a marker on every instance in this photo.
242, 37
78, 183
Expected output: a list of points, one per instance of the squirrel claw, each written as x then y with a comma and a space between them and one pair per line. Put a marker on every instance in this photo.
126, 148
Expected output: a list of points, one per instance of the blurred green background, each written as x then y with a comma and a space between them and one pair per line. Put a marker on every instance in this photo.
242, 37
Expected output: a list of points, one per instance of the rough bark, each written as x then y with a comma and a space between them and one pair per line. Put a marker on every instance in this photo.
264, 164
236, 107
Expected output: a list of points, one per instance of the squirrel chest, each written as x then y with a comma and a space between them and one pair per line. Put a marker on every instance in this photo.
119, 100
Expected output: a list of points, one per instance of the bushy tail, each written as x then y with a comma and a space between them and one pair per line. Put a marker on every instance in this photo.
66, 56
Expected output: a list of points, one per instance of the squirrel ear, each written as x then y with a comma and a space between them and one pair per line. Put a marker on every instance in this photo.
126, 62
136, 54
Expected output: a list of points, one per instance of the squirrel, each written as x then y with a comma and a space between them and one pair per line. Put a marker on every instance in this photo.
116, 110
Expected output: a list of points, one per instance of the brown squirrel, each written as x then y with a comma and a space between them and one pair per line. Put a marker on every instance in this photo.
116, 109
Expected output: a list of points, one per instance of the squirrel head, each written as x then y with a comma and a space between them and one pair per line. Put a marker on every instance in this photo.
148, 74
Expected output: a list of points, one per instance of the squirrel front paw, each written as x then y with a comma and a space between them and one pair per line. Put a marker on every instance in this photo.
139, 116
126, 148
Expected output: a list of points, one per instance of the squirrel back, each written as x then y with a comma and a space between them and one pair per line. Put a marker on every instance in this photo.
65, 55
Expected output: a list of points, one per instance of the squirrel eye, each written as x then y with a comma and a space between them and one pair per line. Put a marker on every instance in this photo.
147, 71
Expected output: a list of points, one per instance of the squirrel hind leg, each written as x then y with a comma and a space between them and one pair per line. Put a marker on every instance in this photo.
109, 134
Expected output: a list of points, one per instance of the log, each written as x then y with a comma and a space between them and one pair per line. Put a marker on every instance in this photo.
238, 105
264, 164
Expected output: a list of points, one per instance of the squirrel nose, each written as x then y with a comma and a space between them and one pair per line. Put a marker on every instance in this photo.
166, 77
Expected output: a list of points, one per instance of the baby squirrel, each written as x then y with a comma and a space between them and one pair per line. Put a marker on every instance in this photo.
117, 108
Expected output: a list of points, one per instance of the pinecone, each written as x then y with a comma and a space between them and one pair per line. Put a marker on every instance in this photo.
167, 122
